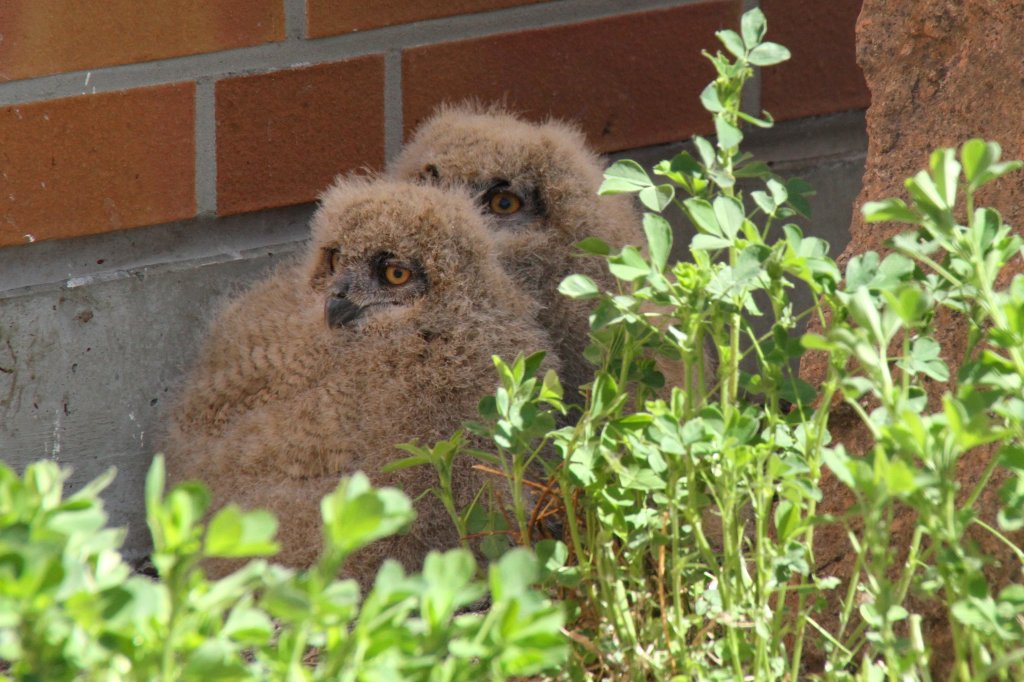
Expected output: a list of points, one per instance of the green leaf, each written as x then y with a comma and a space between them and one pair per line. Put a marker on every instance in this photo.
234, 533
779, 192
865, 271
709, 98
729, 136
861, 270
594, 246
787, 518
530, 365
657, 197
753, 26
551, 557
512, 576
702, 215
448, 576
767, 54
928, 199
946, 171
155, 479
624, 176
798, 190
976, 613
996, 171
863, 308
924, 190
754, 169
355, 514
183, 508
816, 342
732, 42
896, 474
889, 210
707, 242
728, 215
1011, 456
840, 464
797, 391
551, 387
248, 626
925, 358
1011, 493
406, 462
287, 600
629, 265
213, 659
684, 163
764, 202
640, 478
705, 150
909, 302
659, 239
578, 287
976, 156
91, 490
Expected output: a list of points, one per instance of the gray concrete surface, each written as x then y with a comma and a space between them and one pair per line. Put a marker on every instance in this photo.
95, 333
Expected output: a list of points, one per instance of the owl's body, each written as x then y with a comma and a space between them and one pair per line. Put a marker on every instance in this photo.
539, 184
382, 332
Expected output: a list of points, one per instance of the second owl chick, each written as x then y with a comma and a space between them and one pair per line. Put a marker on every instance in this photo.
381, 333
539, 184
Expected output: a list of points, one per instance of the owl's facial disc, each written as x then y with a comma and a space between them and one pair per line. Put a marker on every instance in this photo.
512, 203
357, 290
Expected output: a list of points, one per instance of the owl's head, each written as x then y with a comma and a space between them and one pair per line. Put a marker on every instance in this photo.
526, 176
386, 252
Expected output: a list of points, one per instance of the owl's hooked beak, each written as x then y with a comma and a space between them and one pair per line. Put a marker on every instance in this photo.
339, 310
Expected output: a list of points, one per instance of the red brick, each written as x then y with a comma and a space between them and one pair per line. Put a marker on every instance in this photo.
97, 163
52, 36
629, 80
283, 136
823, 76
336, 17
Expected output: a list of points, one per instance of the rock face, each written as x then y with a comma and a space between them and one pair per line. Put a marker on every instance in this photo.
940, 72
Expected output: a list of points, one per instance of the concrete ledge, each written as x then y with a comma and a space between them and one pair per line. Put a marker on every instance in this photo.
104, 257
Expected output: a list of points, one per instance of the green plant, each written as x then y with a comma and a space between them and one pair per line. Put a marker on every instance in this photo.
71, 610
885, 331
690, 511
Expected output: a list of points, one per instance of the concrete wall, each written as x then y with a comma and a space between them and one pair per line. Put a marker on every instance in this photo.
154, 165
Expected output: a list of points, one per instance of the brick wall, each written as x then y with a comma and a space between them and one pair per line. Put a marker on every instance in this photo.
126, 113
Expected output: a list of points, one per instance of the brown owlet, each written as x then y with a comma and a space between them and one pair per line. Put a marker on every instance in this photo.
381, 332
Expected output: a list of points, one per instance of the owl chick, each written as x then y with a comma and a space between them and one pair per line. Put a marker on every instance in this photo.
539, 184
381, 332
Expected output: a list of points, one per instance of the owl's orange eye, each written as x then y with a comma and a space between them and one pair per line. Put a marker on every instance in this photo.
397, 275
504, 202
